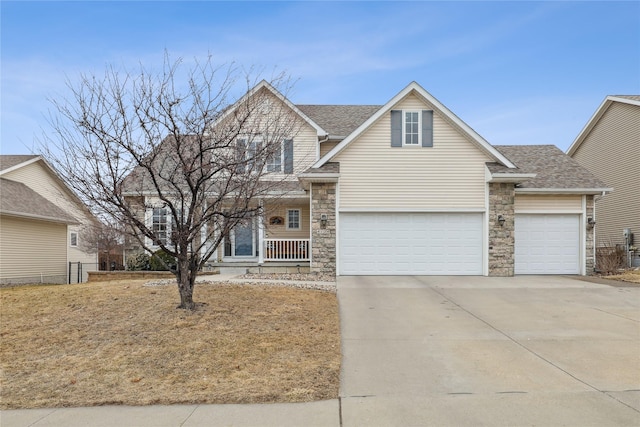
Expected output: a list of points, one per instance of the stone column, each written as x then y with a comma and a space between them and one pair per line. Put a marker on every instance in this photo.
501, 237
323, 237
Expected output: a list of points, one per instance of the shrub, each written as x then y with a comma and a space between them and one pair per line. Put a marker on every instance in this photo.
138, 262
161, 261
610, 259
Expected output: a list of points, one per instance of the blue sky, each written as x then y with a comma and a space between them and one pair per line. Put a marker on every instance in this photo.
516, 72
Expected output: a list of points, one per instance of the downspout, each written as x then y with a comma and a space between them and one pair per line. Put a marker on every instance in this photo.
326, 138
595, 243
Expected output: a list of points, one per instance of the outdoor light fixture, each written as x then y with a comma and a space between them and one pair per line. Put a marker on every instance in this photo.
323, 220
590, 223
501, 220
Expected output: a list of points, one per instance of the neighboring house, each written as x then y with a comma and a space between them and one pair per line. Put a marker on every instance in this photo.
408, 188
609, 146
41, 224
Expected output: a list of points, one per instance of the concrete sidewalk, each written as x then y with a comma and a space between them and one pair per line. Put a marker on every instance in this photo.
324, 413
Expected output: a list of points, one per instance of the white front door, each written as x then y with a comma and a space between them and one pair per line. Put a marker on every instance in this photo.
547, 244
410, 243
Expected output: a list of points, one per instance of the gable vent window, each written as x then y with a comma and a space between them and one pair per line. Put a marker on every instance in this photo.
412, 128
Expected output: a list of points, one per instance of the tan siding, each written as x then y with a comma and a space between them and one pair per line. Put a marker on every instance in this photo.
554, 203
451, 174
36, 177
31, 249
280, 231
325, 147
305, 137
612, 152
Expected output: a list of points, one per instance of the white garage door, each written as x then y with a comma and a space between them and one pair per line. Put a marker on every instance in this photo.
547, 244
410, 243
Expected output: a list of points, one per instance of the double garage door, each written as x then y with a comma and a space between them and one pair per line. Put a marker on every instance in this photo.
452, 244
410, 243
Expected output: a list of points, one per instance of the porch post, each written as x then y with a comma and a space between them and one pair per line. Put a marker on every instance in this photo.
261, 234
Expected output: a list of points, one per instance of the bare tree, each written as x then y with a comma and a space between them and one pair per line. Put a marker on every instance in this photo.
179, 147
107, 240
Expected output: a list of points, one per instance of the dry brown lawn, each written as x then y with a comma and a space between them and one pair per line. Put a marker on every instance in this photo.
125, 343
630, 276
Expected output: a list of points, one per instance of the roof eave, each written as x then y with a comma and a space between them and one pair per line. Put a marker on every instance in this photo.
512, 177
38, 217
604, 106
308, 178
264, 84
563, 190
21, 165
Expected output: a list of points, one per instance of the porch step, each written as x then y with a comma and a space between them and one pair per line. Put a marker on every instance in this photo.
232, 270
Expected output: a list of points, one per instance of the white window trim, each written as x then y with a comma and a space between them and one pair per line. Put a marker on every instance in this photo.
404, 128
71, 235
299, 227
280, 164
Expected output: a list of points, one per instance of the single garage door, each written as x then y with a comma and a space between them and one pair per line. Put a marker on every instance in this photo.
410, 243
547, 244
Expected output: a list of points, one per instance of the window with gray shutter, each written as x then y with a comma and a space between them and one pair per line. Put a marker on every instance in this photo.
288, 156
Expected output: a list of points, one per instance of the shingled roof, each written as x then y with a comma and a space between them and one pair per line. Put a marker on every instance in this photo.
553, 168
339, 120
19, 200
10, 160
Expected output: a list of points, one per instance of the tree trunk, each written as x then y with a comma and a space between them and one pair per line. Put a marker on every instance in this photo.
186, 280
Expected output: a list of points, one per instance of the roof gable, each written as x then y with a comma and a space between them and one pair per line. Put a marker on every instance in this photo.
264, 85
10, 163
416, 89
21, 201
602, 109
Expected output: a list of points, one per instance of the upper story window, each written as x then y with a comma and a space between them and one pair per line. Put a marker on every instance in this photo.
412, 128
73, 239
279, 160
293, 219
274, 162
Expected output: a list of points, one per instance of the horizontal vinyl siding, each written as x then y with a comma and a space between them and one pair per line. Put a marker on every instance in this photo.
325, 147
280, 231
612, 152
38, 179
555, 203
31, 249
451, 174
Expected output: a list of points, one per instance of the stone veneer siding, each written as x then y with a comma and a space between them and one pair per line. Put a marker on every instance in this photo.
323, 239
590, 239
501, 238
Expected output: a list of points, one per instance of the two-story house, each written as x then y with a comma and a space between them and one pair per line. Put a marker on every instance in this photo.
408, 188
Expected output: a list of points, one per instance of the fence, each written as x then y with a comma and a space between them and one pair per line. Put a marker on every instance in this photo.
79, 271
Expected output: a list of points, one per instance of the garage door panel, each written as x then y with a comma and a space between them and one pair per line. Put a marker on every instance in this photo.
410, 243
547, 244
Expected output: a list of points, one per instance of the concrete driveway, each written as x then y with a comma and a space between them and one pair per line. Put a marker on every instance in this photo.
472, 351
